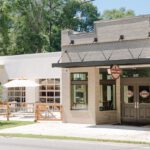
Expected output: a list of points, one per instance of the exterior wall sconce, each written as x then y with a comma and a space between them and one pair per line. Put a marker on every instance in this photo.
95, 40
72, 42
121, 37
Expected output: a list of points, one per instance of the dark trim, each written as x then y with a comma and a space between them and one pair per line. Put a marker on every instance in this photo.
102, 63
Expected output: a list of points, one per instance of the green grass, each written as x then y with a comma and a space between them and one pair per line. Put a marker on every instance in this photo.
10, 124
71, 138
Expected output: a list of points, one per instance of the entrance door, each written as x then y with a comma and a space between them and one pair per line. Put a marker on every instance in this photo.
135, 100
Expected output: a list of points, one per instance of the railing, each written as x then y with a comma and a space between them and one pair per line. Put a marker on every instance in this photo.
21, 107
47, 111
38, 111
4, 110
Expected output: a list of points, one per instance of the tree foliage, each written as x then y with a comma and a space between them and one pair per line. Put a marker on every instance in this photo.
34, 26
79, 16
30, 26
117, 13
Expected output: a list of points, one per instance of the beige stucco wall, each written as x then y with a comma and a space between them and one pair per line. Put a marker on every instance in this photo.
76, 116
111, 116
92, 115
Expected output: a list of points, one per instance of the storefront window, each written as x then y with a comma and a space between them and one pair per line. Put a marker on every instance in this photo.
79, 89
138, 72
17, 94
49, 91
79, 77
107, 93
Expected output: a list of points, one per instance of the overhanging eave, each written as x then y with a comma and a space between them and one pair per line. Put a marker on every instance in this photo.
102, 63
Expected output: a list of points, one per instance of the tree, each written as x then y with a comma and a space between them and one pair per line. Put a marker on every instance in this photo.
30, 37
117, 13
79, 16
5, 25
39, 23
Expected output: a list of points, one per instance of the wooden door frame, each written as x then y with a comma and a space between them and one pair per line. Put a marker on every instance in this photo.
136, 82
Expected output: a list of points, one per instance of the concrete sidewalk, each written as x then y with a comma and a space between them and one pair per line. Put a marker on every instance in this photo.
111, 132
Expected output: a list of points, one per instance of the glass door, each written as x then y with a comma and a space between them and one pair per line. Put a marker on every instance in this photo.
143, 103
129, 113
135, 100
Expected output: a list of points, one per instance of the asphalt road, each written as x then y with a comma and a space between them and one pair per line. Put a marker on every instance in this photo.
7, 143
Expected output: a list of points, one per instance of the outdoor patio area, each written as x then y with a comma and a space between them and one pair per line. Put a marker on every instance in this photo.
30, 111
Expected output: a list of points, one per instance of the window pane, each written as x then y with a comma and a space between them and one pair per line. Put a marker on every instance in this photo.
16, 94
79, 76
57, 81
104, 75
107, 97
79, 97
50, 87
57, 87
50, 100
42, 81
50, 94
43, 100
49, 90
42, 93
57, 100
57, 94
128, 94
50, 81
144, 94
142, 72
42, 87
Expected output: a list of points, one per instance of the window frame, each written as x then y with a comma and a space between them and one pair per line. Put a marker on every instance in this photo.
13, 91
78, 82
108, 82
50, 82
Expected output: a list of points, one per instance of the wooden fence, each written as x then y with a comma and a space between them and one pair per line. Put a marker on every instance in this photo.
4, 110
49, 111
39, 111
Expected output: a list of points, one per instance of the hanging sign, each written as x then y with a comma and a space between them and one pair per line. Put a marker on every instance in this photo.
130, 93
115, 71
144, 94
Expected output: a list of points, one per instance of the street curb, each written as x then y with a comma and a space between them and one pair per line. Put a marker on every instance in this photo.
71, 138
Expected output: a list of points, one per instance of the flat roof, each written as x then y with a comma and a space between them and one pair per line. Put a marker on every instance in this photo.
33, 55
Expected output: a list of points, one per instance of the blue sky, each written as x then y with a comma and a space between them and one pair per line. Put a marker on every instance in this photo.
140, 7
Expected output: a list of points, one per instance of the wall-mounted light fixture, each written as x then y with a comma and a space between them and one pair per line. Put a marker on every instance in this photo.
121, 37
72, 42
95, 39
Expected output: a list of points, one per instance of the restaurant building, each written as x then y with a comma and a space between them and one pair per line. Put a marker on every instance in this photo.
34, 67
106, 73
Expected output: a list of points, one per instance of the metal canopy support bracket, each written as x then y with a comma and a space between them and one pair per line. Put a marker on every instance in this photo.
68, 56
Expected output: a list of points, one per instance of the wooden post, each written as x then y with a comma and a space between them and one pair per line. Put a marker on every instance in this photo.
36, 112
61, 111
7, 111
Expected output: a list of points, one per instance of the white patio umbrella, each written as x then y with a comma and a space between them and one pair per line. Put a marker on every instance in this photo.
20, 83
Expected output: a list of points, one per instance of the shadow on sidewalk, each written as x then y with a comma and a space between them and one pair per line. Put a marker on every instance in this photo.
137, 127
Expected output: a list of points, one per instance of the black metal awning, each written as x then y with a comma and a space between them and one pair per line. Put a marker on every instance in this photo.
102, 63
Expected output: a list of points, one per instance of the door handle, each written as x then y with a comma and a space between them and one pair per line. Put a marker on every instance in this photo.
137, 105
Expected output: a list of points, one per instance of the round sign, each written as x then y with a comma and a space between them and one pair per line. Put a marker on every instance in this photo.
130, 93
115, 71
144, 94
